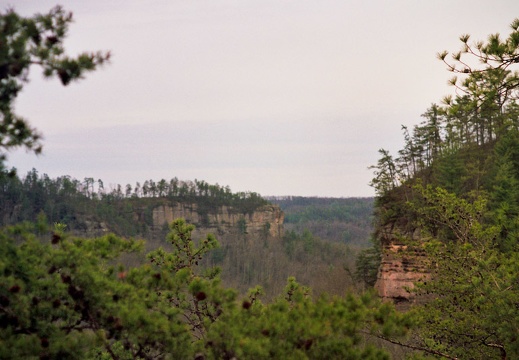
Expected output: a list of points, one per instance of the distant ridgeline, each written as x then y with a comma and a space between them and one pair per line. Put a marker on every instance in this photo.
343, 220
87, 207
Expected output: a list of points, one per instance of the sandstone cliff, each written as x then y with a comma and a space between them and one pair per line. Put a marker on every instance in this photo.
402, 265
266, 220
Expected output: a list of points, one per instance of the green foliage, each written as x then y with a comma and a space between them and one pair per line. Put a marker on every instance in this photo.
454, 195
299, 209
470, 294
64, 299
89, 209
37, 40
304, 247
483, 111
476, 314
242, 225
474, 309
68, 299
386, 175
443, 215
296, 327
505, 191
199, 295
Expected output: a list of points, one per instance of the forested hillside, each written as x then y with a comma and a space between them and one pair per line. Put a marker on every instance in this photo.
447, 209
247, 259
342, 220
77, 202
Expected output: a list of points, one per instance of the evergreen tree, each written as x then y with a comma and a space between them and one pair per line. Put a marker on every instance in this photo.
66, 297
462, 210
473, 312
36, 40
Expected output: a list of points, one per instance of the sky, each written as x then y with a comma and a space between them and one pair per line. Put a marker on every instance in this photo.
277, 97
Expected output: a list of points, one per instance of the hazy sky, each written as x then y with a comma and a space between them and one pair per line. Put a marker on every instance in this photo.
277, 97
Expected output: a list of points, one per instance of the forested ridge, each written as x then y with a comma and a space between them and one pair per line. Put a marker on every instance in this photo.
451, 195
72, 201
88, 209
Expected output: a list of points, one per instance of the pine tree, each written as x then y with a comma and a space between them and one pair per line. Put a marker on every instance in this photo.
36, 40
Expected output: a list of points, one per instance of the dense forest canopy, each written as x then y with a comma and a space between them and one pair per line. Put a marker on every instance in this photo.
87, 208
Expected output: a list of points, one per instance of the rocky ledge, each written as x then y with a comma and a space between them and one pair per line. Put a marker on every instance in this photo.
402, 265
266, 220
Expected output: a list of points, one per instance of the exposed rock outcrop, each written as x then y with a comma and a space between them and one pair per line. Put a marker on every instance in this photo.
402, 265
266, 220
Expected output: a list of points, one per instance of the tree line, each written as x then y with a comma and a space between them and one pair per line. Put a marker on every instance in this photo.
65, 199
483, 110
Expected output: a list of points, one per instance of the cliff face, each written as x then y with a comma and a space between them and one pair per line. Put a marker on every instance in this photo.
401, 266
267, 220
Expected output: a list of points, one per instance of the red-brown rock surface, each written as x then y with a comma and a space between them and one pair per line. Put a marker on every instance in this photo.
401, 266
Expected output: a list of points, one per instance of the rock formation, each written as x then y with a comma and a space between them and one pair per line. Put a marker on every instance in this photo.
266, 220
402, 265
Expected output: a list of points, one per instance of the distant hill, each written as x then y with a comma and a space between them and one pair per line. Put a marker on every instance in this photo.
341, 220
254, 248
89, 208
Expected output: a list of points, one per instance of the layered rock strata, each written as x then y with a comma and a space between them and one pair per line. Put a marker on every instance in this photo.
266, 220
402, 265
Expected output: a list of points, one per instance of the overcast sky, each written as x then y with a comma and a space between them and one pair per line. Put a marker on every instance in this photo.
276, 97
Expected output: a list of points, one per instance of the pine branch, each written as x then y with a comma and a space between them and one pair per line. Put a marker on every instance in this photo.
412, 347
